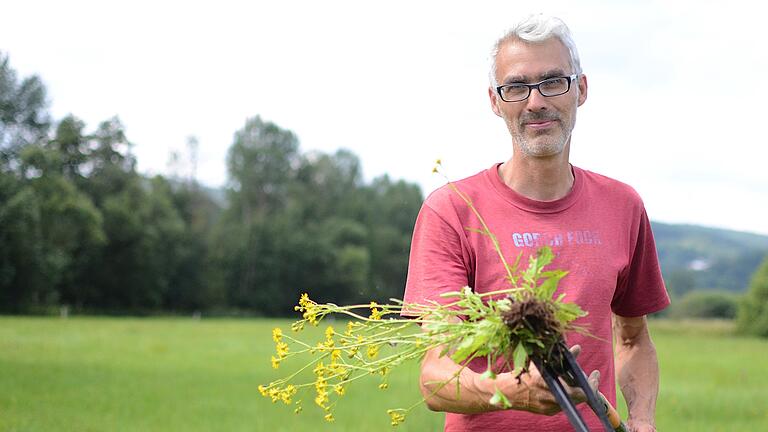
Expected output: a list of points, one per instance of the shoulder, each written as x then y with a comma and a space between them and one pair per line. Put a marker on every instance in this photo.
609, 188
448, 198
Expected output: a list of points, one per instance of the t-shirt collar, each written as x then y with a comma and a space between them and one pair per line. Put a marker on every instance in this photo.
531, 205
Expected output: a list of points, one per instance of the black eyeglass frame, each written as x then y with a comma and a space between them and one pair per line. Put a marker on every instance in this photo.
537, 86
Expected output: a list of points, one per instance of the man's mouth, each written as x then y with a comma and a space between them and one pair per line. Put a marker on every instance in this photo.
540, 124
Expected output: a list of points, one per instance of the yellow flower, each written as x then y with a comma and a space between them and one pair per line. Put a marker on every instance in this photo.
335, 356
383, 386
263, 390
375, 313
287, 393
311, 316
436, 168
324, 346
277, 334
329, 337
339, 389
328, 417
282, 350
309, 308
319, 369
304, 300
321, 386
372, 351
274, 393
275, 362
354, 349
321, 399
396, 416
297, 326
340, 371
350, 328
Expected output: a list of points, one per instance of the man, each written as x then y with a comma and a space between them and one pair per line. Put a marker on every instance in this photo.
596, 226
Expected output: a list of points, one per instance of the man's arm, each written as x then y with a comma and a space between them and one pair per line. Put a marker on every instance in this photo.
530, 394
638, 371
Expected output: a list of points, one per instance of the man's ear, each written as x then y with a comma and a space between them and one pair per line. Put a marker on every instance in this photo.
582, 89
494, 101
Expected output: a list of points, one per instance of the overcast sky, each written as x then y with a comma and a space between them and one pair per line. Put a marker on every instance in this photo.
676, 102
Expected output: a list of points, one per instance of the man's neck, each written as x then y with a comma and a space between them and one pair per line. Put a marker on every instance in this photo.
540, 179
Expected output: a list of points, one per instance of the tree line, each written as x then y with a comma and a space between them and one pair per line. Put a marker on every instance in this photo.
80, 227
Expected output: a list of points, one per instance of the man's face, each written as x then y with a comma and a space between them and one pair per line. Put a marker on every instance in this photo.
540, 126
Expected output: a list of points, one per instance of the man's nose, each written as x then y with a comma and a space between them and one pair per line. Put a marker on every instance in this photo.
536, 101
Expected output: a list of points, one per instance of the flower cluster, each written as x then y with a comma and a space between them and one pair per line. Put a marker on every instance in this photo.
310, 311
280, 347
279, 394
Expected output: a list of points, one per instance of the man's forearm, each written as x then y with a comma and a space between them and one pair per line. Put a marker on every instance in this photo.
439, 387
637, 369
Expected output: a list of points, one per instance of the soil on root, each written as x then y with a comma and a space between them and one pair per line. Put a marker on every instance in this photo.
538, 317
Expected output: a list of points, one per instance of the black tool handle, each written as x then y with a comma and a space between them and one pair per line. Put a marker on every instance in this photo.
577, 373
561, 396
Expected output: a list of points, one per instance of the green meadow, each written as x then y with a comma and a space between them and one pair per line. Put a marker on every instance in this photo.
177, 374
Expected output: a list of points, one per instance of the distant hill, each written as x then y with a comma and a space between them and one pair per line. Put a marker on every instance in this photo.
696, 257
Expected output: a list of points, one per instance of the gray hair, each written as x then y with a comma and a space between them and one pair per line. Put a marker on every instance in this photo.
537, 28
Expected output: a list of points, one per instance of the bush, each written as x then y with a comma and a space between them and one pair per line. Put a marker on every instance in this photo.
706, 304
753, 309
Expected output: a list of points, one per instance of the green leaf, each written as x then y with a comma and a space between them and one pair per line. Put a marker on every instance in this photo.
520, 356
472, 343
488, 374
499, 399
467, 346
504, 304
547, 289
451, 294
567, 312
444, 350
544, 256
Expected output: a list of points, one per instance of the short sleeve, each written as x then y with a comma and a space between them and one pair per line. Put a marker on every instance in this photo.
438, 262
640, 290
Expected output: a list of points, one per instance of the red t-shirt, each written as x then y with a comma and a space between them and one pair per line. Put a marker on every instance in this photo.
599, 233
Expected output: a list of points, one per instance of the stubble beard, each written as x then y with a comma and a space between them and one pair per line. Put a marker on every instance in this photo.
540, 143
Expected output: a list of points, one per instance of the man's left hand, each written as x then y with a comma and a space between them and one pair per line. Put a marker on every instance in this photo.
640, 426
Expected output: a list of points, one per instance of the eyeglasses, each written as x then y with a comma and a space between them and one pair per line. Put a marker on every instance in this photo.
518, 92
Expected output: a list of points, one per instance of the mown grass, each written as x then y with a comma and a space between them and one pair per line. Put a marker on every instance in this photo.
107, 374
711, 380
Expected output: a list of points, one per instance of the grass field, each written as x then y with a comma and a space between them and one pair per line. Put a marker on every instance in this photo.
106, 374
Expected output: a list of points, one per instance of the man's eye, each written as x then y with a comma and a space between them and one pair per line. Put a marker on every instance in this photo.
515, 88
554, 83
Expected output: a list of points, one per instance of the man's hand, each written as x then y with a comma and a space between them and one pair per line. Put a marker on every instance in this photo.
530, 394
640, 426
533, 395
